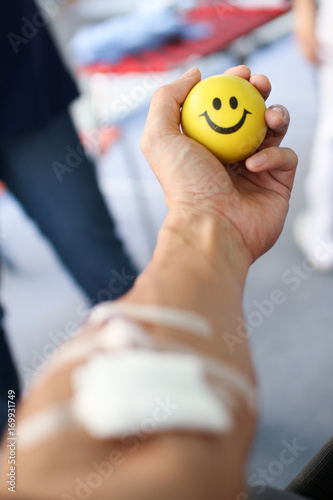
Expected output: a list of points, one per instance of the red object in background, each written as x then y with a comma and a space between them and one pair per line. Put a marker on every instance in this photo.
227, 23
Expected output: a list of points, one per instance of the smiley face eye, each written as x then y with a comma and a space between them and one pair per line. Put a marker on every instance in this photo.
233, 102
217, 103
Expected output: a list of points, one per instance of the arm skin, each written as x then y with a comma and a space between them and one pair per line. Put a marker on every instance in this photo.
305, 28
218, 224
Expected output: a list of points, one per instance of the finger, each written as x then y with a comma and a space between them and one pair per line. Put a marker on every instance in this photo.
164, 112
241, 70
280, 162
277, 119
261, 82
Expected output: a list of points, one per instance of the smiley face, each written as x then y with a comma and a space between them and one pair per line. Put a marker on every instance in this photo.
225, 114
225, 130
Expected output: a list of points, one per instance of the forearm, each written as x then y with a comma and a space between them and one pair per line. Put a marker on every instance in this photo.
305, 12
305, 7
305, 28
200, 264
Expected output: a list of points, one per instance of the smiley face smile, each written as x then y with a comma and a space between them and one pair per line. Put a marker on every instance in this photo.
226, 130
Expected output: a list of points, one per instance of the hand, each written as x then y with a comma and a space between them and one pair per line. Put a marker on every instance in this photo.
254, 197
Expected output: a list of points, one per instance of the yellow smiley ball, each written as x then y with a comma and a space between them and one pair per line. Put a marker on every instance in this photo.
227, 115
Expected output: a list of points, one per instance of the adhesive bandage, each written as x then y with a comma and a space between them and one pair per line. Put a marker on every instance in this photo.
127, 388
128, 379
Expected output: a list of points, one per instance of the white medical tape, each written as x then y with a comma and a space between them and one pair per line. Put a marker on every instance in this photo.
124, 384
111, 335
119, 333
102, 314
161, 315
127, 392
239, 381
121, 393
131, 375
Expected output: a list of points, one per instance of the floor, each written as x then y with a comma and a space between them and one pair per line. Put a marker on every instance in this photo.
292, 342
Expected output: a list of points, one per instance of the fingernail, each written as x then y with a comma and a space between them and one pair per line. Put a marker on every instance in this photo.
189, 73
280, 110
257, 160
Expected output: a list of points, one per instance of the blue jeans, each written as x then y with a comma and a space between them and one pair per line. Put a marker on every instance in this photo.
49, 174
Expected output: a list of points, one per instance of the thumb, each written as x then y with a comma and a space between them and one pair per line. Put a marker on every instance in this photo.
164, 113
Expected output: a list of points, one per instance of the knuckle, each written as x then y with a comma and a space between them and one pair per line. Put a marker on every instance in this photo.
161, 93
294, 157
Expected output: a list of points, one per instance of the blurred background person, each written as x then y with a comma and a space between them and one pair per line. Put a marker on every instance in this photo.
45, 167
313, 29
